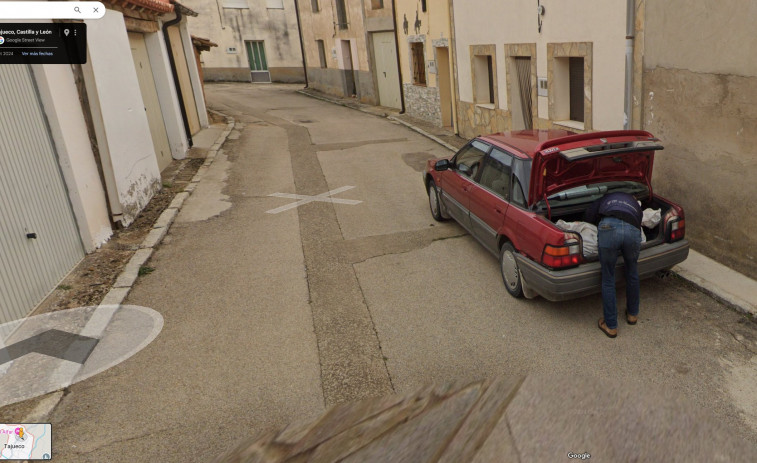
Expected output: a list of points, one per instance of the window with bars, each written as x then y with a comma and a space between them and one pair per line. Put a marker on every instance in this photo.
341, 15
321, 53
419, 63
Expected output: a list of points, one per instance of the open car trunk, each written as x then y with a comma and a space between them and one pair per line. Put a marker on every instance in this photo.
575, 213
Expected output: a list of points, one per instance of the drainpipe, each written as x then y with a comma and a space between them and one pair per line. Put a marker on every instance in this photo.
630, 31
397, 49
302, 44
176, 75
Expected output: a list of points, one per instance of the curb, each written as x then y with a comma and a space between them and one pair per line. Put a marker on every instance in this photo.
128, 276
716, 292
130, 273
703, 285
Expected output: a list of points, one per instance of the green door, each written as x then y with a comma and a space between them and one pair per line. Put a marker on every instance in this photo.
258, 63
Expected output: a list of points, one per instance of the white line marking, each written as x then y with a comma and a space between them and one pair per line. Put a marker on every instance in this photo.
303, 199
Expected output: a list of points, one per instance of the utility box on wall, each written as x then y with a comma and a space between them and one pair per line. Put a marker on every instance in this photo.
541, 85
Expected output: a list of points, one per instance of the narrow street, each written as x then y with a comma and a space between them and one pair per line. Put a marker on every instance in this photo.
274, 312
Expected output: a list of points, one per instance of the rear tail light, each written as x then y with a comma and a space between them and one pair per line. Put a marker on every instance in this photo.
676, 228
567, 255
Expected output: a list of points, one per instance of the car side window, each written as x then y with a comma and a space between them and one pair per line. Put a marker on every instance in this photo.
496, 173
518, 197
471, 156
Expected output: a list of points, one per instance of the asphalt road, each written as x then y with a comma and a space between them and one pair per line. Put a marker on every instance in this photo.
272, 317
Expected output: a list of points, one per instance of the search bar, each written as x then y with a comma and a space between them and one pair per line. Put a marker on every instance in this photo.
51, 10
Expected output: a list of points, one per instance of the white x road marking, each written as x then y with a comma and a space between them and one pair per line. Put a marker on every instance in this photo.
323, 197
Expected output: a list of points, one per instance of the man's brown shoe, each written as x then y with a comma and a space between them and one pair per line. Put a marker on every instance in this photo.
610, 333
631, 319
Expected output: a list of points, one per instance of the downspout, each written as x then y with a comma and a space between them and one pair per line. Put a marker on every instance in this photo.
397, 49
302, 44
630, 32
176, 75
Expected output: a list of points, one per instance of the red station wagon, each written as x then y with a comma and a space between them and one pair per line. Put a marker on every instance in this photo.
509, 189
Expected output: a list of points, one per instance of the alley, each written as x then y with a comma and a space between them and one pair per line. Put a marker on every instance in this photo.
273, 313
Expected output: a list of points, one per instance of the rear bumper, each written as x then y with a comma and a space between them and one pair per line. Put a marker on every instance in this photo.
559, 285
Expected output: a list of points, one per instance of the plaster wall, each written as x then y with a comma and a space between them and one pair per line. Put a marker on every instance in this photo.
231, 27
700, 99
515, 22
434, 25
169, 101
62, 106
321, 25
123, 134
194, 73
433, 31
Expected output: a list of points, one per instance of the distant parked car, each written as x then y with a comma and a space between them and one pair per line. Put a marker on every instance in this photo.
509, 189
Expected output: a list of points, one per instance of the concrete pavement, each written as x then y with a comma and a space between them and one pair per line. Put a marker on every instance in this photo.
710, 276
271, 318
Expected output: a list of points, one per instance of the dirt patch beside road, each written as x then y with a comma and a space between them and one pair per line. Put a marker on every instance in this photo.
91, 280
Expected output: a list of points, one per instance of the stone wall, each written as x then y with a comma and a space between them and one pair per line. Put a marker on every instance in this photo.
423, 102
476, 120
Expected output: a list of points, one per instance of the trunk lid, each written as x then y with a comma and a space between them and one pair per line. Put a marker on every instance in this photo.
568, 162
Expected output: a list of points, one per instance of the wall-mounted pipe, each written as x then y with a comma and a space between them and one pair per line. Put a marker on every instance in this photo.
397, 51
302, 43
175, 74
630, 32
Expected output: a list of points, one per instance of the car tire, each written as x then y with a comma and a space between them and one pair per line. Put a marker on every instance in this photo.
434, 203
508, 267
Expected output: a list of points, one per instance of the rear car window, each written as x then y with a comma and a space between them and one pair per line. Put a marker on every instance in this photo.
589, 193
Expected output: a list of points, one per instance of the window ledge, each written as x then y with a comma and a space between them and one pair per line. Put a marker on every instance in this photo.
571, 124
485, 105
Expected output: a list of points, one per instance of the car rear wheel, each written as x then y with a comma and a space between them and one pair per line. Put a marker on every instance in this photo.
510, 272
434, 203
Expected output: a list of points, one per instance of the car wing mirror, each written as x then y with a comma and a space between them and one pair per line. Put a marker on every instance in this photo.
463, 169
442, 164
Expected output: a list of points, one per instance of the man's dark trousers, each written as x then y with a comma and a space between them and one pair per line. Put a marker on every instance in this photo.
613, 236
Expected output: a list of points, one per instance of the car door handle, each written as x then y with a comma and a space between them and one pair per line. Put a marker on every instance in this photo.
497, 210
466, 188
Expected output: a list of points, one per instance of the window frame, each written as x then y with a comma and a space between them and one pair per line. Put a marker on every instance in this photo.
341, 7
321, 46
487, 97
419, 64
558, 87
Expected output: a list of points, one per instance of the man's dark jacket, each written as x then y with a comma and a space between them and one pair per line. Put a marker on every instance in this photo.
619, 205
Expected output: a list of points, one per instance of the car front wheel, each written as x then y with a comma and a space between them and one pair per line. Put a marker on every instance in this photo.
434, 203
508, 266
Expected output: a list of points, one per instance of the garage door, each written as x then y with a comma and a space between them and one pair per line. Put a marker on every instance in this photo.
150, 99
39, 239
